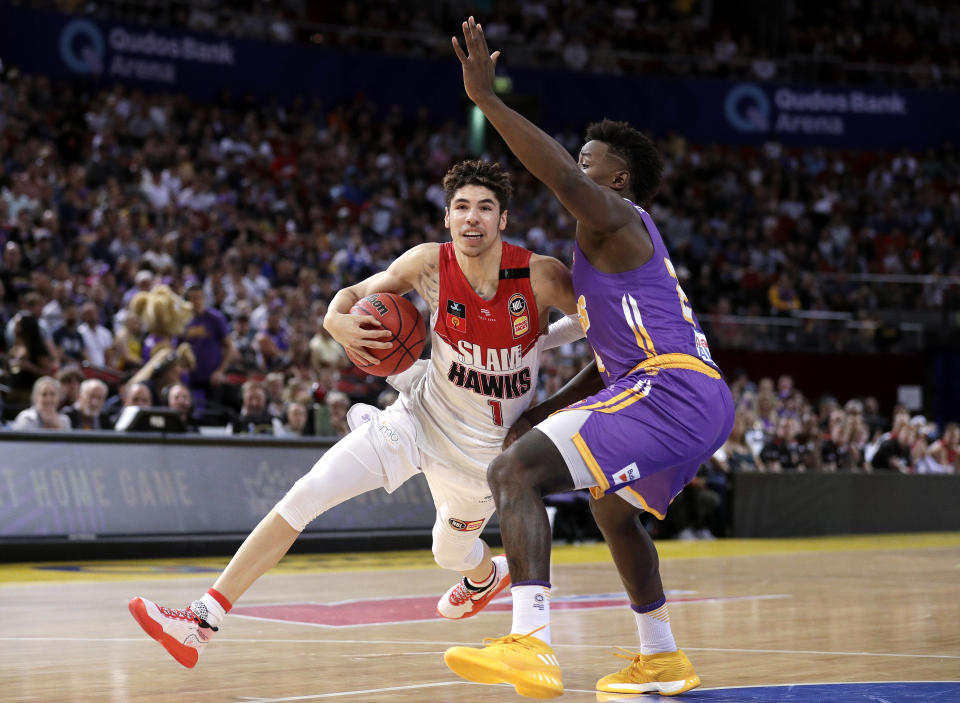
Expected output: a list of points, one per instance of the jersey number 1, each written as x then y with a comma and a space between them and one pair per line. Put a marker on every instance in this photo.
497, 412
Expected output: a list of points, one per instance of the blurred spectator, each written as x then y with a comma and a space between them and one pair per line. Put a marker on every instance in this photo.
180, 399
782, 451
338, 404
272, 342
28, 359
893, 454
133, 394
243, 359
128, 343
97, 339
208, 334
737, 456
87, 412
70, 378
325, 350
294, 421
943, 455
254, 416
43, 413
67, 338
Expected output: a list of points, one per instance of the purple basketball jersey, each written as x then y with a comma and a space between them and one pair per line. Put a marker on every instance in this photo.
665, 409
636, 315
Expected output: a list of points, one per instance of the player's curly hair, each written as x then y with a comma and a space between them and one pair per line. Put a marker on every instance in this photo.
477, 172
638, 150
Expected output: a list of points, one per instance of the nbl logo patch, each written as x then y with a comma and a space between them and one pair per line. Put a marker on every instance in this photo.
465, 525
519, 317
456, 316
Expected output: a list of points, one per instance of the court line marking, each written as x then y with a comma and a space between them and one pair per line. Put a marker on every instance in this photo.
412, 687
448, 643
612, 606
626, 697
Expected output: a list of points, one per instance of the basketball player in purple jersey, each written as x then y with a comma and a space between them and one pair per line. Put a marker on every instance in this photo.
634, 426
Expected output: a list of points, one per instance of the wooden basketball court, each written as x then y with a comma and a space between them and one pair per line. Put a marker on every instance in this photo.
360, 627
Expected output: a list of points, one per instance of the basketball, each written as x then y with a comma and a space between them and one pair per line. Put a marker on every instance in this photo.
401, 317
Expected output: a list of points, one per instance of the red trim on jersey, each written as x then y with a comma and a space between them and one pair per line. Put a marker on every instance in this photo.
506, 320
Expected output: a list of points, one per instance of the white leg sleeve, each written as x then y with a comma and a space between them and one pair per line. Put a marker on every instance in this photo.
347, 469
380, 453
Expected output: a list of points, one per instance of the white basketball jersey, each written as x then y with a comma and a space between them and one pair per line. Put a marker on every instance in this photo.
484, 363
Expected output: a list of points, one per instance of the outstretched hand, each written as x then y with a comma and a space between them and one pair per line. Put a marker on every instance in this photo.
479, 65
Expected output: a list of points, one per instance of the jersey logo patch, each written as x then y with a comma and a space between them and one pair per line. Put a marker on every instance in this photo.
465, 525
626, 474
519, 318
702, 348
456, 316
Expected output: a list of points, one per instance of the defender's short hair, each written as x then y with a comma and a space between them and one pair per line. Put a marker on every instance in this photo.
638, 150
477, 172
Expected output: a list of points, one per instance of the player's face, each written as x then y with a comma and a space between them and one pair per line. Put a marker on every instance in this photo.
475, 220
599, 165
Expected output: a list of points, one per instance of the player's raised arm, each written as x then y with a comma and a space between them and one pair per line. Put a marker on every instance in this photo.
597, 208
353, 332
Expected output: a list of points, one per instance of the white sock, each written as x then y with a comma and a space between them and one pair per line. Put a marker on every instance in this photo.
531, 610
656, 634
215, 611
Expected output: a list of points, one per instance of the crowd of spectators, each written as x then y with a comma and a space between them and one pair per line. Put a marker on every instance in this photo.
914, 42
261, 212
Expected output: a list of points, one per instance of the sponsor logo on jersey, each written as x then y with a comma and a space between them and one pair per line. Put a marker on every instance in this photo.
490, 358
456, 316
626, 474
465, 525
519, 318
703, 349
493, 385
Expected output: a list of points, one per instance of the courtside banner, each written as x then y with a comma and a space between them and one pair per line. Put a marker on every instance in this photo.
209, 67
101, 485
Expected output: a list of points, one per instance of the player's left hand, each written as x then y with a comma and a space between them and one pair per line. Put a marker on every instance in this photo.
517, 430
479, 65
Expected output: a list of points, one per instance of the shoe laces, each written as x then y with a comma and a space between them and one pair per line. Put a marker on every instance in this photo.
522, 640
635, 657
461, 594
185, 614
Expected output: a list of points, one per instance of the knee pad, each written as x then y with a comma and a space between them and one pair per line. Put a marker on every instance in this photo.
456, 551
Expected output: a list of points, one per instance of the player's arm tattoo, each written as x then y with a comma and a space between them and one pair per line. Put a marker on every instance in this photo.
428, 284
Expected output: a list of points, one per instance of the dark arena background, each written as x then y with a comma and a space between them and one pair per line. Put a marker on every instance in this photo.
252, 158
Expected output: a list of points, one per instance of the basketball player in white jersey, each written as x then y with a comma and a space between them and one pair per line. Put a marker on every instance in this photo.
489, 304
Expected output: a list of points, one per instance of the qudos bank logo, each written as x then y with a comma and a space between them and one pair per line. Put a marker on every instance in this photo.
747, 108
82, 47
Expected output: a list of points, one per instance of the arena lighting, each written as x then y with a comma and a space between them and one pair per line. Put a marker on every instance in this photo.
502, 84
477, 131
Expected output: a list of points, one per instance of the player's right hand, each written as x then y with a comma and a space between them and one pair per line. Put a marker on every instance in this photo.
357, 333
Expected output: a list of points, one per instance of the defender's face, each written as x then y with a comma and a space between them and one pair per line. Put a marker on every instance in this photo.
474, 220
598, 164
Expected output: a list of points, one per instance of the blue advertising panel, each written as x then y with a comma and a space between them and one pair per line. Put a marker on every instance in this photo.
205, 66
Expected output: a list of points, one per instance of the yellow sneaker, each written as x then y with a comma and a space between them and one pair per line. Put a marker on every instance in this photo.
525, 661
667, 673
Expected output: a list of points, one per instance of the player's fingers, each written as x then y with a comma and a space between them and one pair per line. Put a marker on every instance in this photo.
457, 50
365, 317
494, 56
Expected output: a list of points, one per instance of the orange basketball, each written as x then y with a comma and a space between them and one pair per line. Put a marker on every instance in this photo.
401, 317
